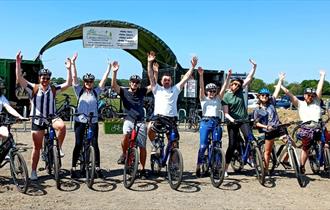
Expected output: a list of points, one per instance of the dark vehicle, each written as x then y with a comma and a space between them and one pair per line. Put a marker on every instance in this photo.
283, 103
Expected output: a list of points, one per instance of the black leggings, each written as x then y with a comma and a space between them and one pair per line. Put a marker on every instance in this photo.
234, 137
79, 129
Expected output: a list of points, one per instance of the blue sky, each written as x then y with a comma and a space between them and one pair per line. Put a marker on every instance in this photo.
288, 36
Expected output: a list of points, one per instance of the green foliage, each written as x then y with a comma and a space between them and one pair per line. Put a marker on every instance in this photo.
256, 85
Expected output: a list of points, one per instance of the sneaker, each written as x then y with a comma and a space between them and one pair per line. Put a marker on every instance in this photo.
286, 164
302, 169
61, 153
121, 159
226, 174
74, 174
34, 175
198, 172
143, 174
99, 173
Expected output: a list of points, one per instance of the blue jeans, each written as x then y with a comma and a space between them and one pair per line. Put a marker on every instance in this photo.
208, 125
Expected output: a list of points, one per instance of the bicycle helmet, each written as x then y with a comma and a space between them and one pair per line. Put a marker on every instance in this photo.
264, 91
135, 77
45, 72
88, 76
211, 86
309, 90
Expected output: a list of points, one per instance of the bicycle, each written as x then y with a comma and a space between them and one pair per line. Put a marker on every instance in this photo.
248, 153
132, 157
51, 149
171, 157
288, 148
194, 119
87, 153
319, 153
18, 168
106, 109
65, 110
214, 160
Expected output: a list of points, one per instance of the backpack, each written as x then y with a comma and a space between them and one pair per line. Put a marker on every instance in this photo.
36, 88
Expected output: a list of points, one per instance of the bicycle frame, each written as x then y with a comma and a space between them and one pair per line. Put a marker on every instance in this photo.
213, 143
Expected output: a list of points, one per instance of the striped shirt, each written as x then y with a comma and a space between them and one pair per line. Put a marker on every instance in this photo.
42, 103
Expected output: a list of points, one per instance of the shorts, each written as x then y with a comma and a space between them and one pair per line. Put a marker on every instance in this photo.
307, 136
36, 127
275, 133
142, 135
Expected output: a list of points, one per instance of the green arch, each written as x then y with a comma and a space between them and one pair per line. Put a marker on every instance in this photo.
147, 41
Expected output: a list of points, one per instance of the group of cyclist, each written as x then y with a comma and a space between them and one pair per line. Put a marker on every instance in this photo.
42, 98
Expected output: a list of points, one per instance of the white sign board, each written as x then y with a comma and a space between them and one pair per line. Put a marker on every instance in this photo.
190, 89
107, 37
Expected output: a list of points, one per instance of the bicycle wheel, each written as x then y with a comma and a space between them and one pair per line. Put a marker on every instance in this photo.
296, 166
196, 123
19, 172
131, 167
155, 164
56, 166
258, 165
108, 112
217, 166
175, 168
295, 136
237, 162
90, 166
312, 157
327, 161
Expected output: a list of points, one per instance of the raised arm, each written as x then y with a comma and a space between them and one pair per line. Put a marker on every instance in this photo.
12, 111
185, 78
320, 84
68, 81
74, 69
249, 78
225, 84
293, 98
155, 67
114, 84
151, 59
19, 77
201, 83
105, 76
281, 77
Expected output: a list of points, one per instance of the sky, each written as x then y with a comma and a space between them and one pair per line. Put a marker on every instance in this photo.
281, 36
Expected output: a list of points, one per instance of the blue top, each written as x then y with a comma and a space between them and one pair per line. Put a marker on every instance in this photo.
133, 103
267, 115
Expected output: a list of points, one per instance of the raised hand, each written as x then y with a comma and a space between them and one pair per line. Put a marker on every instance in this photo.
229, 72
155, 66
151, 56
19, 57
68, 63
322, 72
281, 76
253, 63
74, 57
115, 66
194, 61
200, 70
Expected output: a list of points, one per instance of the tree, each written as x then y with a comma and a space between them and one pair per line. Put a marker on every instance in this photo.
257, 84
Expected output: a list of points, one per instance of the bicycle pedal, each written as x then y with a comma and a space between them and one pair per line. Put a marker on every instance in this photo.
41, 169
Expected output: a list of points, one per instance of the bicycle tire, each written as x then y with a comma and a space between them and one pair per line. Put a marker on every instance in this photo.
131, 167
236, 162
196, 123
205, 163
19, 169
56, 166
108, 113
175, 168
259, 165
295, 138
90, 166
217, 167
155, 164
313, 161
296, 166
327, 161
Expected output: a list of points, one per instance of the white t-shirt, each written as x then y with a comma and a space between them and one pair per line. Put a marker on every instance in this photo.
166, 100
211, 107
3, 101
309, 112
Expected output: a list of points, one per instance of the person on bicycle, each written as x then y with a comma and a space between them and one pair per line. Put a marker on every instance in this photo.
42, 97
87, 96
211, 106
309, 110
133, 101
166, 96
267, 119
234, 108
5, 104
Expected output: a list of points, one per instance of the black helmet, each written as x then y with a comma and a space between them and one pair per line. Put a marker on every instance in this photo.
45, 72
135, 77
88, 76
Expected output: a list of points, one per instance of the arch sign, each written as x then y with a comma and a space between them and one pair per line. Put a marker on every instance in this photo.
108, 37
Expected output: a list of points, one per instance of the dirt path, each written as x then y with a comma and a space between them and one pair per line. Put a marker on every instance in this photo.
237, 192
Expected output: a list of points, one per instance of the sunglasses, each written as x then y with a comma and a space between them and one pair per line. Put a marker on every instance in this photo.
89, 81
135, 81
45, 78
310, 95
264, 95
212, 91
